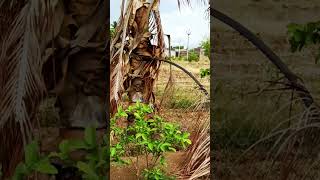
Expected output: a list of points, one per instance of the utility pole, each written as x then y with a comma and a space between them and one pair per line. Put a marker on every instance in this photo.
179, 44
188, 33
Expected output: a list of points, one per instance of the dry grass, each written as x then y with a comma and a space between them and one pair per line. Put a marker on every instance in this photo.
268, 137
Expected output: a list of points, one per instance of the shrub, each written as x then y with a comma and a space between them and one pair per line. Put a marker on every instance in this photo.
206, 46
93, 166
204, 72
193, 56
301, 35
156, 173
149, 135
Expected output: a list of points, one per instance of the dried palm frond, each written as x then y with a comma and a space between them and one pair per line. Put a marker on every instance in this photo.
197, 163
291, 148
138, 35
20, 65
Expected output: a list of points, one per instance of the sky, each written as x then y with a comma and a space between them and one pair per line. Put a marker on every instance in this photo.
176, 22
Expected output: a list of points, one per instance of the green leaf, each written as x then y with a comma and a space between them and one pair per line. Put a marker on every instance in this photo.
188, 141
20, 172
44, 166
112, 152
138, 135
185, 135
31, 153
137, 115
144, 137
90, 136
53, 154
172, 149
164, 146
150, 146
76, 144
121, 112
84, 167
162, 160
64, 146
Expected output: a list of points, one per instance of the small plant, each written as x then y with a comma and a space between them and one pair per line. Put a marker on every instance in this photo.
149, 135
33, 162
95, 163
204, 72
304, 35
93, 166
156, 174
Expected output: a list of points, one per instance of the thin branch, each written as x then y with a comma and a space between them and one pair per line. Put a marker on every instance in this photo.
201, 87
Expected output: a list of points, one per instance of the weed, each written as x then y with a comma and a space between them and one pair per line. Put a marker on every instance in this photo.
156, 174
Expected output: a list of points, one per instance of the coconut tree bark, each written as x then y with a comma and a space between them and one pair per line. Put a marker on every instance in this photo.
138, 36
283, 68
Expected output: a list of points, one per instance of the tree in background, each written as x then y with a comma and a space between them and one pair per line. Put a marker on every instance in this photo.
113, 29
206, 46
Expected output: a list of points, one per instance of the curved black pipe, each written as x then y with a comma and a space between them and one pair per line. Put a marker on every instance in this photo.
293, 79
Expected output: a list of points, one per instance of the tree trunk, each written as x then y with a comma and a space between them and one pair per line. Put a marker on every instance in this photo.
133, 68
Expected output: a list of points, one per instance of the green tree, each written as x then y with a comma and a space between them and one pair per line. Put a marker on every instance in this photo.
113, 29
206, 46
193, 56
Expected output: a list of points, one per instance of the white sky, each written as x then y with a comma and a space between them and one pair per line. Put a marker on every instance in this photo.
176, 22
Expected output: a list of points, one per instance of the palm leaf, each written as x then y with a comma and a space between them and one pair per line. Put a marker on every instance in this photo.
21, 64
125, 43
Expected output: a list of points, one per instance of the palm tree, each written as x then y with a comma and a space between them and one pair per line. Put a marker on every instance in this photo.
138, 41
47, 51
135, 63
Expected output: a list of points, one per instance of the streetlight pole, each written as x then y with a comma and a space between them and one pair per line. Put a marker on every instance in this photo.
188, 33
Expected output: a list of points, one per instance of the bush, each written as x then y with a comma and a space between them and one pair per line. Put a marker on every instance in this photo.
179, 58
204, 72
93, 166
149, 135
206, 46
193, 56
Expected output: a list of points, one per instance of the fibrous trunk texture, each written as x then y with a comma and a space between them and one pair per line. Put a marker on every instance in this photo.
137, 43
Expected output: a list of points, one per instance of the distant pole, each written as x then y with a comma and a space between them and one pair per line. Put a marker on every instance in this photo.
169, 39
188, 33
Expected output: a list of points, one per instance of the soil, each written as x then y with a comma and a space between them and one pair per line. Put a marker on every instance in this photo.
174, 162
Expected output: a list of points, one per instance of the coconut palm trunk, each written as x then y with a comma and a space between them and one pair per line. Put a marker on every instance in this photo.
138, 42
